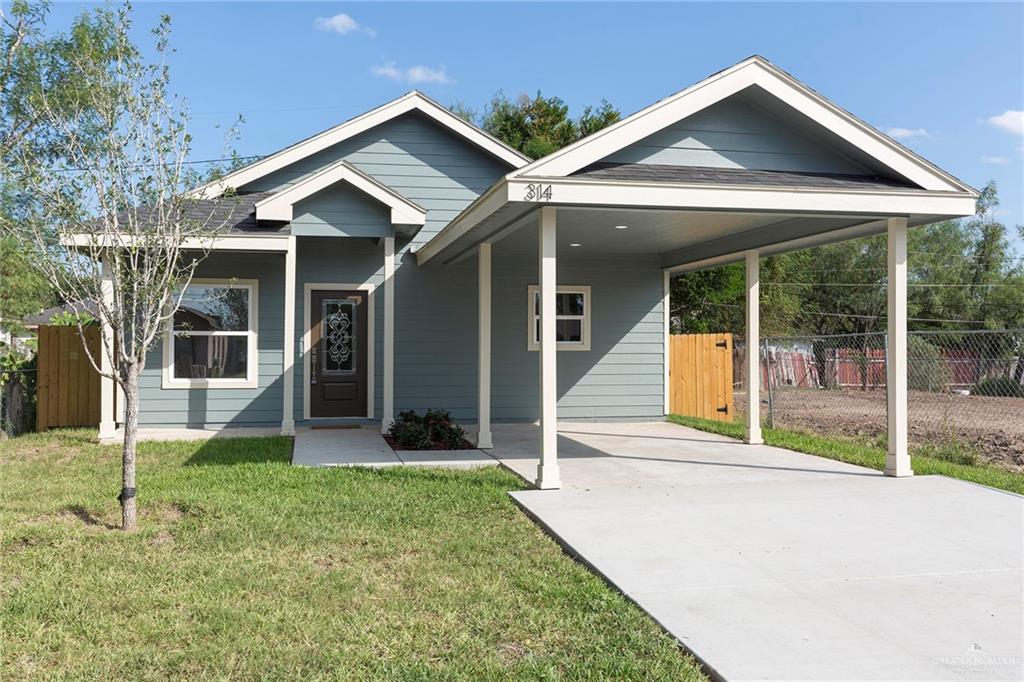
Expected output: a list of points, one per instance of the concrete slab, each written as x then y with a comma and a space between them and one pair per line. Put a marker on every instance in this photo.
364, 446
359, 446
448, 459
770, 564
170, 434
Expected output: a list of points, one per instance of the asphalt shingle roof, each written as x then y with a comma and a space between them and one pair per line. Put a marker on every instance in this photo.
653, 172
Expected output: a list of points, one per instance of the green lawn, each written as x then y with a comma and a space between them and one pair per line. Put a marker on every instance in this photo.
846, 450
245, 567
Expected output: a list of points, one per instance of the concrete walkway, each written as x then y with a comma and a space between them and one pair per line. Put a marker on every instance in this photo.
364, 446
770, 564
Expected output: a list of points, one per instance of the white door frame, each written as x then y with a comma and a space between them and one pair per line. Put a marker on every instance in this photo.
307, 338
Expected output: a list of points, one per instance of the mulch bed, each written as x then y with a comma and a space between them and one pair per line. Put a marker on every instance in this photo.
466, 445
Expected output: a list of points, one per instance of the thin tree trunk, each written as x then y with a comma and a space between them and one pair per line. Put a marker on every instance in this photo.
131, 432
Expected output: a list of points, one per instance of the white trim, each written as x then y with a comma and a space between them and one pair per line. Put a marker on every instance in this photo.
531, 317
279, 206
412, 101
288, 392
484, 439
388, 411
480, 209
619, 193
307, 338
897, 458
752, 355
666, 315
252, 370
755, 71
224, 242
547, 469
594, 193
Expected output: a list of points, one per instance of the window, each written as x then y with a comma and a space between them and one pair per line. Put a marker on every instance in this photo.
572, 317
212, 340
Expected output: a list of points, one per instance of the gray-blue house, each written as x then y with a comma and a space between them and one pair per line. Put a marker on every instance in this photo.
406, 260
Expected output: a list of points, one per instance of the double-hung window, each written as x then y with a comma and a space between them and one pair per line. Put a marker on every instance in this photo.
212, 341
572, 317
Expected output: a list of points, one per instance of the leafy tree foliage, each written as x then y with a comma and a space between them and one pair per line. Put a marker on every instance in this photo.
539, 125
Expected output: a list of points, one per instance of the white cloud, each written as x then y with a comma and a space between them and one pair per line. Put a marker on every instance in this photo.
1011, 121
343, 24
907, 133
998, 160
413, 74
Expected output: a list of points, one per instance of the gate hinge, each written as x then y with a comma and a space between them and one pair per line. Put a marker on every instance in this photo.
722, 344
723, 409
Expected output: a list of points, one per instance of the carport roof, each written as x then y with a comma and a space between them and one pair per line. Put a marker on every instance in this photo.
794, 209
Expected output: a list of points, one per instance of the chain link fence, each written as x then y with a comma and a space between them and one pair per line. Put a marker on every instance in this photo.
965, 389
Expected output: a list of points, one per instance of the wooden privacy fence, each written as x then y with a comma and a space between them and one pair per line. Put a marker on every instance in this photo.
700, 375
67, 386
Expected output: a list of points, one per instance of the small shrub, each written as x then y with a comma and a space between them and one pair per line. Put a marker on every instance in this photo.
926, 368
950, 450
433, 430
1001, 387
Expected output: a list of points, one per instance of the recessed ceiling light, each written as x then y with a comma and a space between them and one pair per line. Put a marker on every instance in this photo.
575, 244
621, 227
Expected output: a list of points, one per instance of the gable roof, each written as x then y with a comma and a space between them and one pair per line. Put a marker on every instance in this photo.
754, 71
278, 206
411, 101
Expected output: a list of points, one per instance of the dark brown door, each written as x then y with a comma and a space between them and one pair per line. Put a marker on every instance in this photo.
338, 354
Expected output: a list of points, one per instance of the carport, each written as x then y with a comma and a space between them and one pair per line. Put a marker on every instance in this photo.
672, 183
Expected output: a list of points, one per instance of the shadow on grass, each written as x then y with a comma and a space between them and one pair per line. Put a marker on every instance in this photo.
235, 451
88, 518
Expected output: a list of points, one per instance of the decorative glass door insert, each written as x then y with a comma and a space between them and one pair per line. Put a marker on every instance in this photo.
338, 335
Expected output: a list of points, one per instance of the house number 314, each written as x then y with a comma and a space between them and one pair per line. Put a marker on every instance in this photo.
538, 192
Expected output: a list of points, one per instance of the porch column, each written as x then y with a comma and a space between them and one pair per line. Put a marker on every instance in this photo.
897, 460
753, 341
666, 315
108, 420
288, 412
547, 470
388, 416
483, 434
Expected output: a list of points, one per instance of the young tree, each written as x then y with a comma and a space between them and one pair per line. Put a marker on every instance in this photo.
112, 209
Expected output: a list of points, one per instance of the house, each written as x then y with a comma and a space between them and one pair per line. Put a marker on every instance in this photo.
405, 260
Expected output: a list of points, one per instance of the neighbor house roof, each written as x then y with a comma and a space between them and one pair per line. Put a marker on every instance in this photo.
410, 102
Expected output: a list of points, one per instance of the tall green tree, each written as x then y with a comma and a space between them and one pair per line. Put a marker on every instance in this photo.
538, 126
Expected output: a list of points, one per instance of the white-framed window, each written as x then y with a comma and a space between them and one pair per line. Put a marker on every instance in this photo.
212, 339
572, 317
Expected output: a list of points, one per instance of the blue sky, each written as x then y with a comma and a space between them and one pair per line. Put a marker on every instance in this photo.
944, 78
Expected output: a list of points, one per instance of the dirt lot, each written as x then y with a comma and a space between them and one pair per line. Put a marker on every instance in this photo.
994, 425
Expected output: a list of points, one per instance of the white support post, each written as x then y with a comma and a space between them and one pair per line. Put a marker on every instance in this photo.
667, 351
388, 416
288, 411
108, 387
753, 341
547, 470
483, 434
897, 460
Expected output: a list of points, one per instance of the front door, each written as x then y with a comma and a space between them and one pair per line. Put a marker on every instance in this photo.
337, 355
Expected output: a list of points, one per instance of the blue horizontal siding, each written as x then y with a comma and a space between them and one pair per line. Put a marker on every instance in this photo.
736, 134
416, 157
227, 406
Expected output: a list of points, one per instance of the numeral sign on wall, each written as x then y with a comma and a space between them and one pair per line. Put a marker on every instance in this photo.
537, 192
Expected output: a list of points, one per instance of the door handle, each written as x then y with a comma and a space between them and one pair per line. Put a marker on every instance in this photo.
312, 366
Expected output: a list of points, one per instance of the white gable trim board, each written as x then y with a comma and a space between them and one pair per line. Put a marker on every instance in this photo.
279, 206
412, 101
755, 71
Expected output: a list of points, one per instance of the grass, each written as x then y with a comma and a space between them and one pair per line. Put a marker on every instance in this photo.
246, 567
866, 454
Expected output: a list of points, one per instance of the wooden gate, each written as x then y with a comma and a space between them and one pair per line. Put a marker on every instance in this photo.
67, 388
701, 376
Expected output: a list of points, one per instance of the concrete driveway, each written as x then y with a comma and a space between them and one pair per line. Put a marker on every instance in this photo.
770, 564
